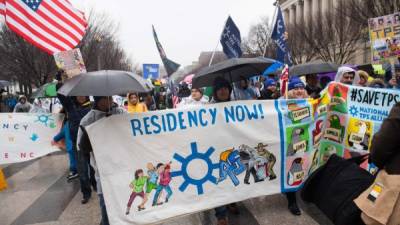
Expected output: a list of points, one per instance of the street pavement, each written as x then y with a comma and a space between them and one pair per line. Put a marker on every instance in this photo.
39, 194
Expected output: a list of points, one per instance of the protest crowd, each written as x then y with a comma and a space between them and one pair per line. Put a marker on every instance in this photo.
206, 88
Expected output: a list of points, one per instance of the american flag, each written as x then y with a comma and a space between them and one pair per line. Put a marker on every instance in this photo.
284, 79
52, 25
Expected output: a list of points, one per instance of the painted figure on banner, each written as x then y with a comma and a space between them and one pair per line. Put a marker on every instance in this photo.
164, 171
297, 138
335, 129
296, 172
359, 134
152, 179
230, 166
137, 186
270, 160
249, 158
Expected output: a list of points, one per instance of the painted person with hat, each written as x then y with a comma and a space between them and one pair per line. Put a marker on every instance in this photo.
271, 159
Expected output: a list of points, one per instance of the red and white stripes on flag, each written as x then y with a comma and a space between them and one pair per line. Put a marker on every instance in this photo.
52, 25
2, 7
284, 79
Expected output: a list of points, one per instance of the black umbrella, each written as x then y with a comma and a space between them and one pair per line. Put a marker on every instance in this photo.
232, 70
104, 83
313, 68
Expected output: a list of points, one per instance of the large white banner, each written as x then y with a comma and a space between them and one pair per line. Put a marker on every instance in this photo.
25, 136
216, 154
171, 163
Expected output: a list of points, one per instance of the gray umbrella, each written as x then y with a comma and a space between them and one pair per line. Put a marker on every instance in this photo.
104, 83
232, 70
4, 83
313, 68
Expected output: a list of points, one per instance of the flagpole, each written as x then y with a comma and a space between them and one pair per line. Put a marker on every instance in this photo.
272, 22
213, 54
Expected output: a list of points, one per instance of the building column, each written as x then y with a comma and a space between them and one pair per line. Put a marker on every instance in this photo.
324, 6
315, 9
287, 17
299, 12
307, 12
292, 16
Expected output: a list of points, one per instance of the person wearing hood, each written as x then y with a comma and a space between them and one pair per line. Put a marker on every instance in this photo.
23, 106
196, 98
347, 75
103, 106
134, 105
364, 77
270, 90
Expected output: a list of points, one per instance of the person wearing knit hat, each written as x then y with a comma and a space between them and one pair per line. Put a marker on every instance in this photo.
222, 90
363, 78
270, 90
296, 89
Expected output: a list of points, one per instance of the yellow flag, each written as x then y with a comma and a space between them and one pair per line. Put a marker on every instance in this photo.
3, 182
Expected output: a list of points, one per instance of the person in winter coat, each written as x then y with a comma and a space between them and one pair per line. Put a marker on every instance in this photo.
134, 105
64, 134
377, 83
244, 91
395, 81
196, 98
270, 90
76, 108
103, 106
312, 87
347, 75
385, 147
364, 76
23, 106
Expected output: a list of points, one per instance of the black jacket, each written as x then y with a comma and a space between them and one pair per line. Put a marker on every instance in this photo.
385, 148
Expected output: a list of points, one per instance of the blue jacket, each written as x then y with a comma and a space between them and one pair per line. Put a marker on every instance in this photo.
64, 134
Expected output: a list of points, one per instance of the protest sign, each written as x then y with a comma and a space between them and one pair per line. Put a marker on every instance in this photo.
151, 71
384, 33
71, 62
202, 157
26, 136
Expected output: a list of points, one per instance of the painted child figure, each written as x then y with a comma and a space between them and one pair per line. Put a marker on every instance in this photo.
152, 179
138, 190
165, 179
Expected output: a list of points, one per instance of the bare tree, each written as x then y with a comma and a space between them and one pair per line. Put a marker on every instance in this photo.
258, 42
362, 10
30, 67
333, 36
300, 50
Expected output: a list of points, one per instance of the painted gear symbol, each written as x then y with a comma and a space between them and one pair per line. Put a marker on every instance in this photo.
353, 111
184, 166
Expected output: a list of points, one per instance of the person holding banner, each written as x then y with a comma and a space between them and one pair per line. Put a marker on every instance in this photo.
270, 90
196, 98
103, 106
134, 106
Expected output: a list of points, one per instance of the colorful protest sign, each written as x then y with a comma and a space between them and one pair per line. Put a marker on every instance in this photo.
151, 71
178, 162
71, 62
26, 136
384, 33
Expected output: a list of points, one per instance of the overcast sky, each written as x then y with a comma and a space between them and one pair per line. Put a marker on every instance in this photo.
184, 27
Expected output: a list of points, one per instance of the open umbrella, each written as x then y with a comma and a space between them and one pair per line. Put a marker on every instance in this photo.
46, 91
232, 70
313, 68
105, 83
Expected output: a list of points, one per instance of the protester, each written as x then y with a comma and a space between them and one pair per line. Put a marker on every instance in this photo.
312, 86
23, 106
385, 147
363, 78
150, 102
377, 83
103, 106
222, 93
270, 90
134, 105
347, 75
243, 91
65, 135
196, 98
395, 81
324, 81
296, 89
77, 108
